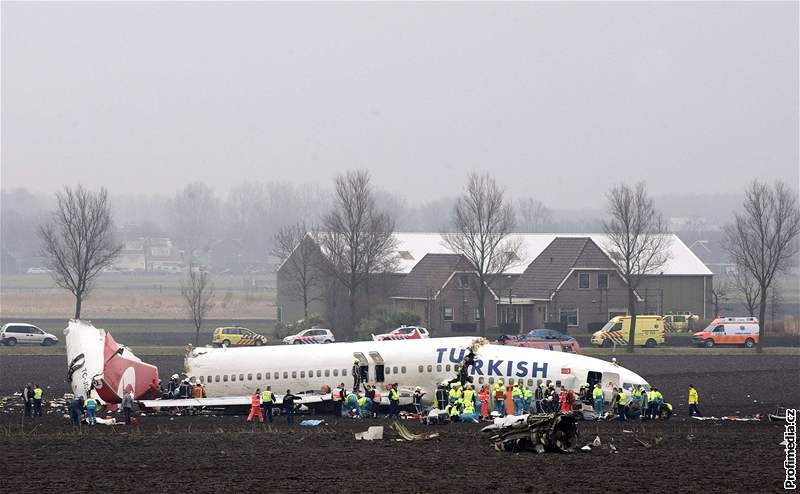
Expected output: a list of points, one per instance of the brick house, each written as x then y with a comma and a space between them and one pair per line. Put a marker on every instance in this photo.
442, 290
572, 281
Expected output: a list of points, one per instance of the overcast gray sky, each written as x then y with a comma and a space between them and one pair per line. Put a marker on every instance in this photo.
558, 100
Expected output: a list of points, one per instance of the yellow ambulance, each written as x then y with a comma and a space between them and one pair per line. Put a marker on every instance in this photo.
649, 332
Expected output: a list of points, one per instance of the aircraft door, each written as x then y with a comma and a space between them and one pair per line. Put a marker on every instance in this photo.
610, 381
379, 375
593, 378
363, 367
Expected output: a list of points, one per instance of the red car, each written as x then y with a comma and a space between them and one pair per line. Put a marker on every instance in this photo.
569, 345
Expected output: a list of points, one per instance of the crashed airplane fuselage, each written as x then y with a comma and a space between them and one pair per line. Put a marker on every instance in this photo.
96, 364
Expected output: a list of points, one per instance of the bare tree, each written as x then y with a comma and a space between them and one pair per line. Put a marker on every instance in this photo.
762, 239
358, 238
744, 283
197, 290
534, 216
294, 246
78, 241
638, 240
481, 224
720, 289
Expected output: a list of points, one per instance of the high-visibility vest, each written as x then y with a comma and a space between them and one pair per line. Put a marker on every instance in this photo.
394, 395
516, 392
266, 396
623, 398
469, 396
527, 393
499, 391
692, 396
90, 403
37, 394
597, 393
362, 401
453, 395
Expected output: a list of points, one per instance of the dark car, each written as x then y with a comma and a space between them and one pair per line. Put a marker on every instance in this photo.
548, 334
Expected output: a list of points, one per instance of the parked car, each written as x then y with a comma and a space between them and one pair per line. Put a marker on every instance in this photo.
569, 345
20, 333
237, 336
403, 333
310, 336
548, 334
38, 271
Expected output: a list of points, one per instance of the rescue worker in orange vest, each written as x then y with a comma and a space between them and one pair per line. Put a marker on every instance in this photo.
255, 407
484, 397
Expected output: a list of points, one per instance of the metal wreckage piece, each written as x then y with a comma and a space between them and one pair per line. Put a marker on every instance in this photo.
538, 432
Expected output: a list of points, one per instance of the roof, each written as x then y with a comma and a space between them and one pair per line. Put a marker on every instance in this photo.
548, 270
431, 272
412, 247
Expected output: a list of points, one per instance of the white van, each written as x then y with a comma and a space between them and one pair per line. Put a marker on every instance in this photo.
729, 331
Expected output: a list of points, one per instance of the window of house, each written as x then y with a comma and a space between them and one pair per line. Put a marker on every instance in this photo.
583, 280
477, 313
447, 313
602, 280
568, 316
279, 314
463, 281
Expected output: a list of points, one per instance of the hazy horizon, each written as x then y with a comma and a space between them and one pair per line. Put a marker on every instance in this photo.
557, 100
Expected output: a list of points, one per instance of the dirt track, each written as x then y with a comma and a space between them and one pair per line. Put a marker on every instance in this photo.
206, 454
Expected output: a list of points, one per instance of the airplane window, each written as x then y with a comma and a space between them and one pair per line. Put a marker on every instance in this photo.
403, 369
439, 368
276, 375
388, 370
558, 384
319, 373
480, 380
285, 375
394, 370
447, 367
311, 373
294, 374
216, 379
335, 372
530, 382
225, 378
258, 376
233, 377
241, 377
250, 377
344, 372
491, 380
430, 368
302, 373
200, 378
420, 369
327, 373
266, 376
456, 367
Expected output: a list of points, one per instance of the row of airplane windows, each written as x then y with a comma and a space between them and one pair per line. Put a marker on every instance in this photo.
327, 373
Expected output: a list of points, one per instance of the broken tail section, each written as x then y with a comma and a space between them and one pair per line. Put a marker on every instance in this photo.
97, 364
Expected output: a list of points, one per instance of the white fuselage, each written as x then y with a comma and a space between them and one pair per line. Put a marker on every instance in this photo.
409, 363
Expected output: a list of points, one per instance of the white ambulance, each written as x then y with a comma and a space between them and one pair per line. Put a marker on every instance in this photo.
729, 331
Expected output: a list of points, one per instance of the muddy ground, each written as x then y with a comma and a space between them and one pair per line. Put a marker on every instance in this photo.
206, 454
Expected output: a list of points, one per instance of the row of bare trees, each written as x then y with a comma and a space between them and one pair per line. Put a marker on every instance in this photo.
356, 238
